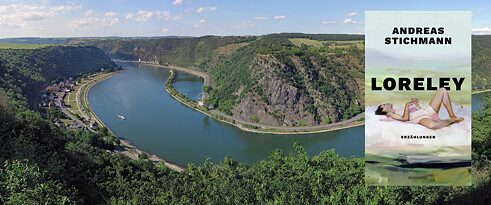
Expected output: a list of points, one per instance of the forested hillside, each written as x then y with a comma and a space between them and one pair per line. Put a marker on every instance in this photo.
288, 79
275, 82
27, 71
203, 52
481, 62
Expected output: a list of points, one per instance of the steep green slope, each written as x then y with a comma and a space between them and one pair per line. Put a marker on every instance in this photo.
272, 81
27, 71
481, 62
202, 52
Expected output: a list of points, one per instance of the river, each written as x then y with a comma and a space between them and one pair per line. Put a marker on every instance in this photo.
157, 123
478, 101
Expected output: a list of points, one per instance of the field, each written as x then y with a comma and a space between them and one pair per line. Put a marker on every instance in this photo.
346, 44
306, 41
22, 46
331, 44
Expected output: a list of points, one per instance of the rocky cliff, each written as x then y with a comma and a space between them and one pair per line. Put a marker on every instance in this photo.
278, 83
298, 99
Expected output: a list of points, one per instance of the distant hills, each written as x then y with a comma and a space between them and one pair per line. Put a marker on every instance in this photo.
69, 40
290, 79
33, 40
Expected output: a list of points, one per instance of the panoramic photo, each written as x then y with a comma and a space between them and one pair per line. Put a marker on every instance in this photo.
236, 102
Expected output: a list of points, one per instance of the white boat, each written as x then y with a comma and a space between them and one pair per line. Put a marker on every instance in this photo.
121, 117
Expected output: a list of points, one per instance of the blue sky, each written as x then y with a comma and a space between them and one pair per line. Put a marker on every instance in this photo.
82, 18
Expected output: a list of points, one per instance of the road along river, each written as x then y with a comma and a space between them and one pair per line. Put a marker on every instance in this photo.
157, 123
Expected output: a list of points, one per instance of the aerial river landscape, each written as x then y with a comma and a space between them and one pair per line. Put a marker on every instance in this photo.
157, 123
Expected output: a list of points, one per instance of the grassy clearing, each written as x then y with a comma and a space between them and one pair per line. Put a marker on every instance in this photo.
66, 121
332, 44
346, 44
227, 50
22, 46
306, 41
71, 103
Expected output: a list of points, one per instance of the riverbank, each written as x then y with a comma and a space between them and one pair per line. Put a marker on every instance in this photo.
254, 127
241, 124
125, 146
75, 106
81, 96
481, 91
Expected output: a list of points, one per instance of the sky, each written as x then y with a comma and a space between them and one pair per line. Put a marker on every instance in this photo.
98, 18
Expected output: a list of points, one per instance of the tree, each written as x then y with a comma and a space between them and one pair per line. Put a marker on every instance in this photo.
24, 183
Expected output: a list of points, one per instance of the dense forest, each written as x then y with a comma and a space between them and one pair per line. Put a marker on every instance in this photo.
26, 71
44, 164
481, 62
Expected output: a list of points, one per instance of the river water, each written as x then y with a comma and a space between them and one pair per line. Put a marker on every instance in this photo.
157, 123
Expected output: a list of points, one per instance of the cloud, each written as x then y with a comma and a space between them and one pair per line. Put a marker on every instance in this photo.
142, 15
26, 12
183, 14
177, 2
261, 18
200, 23
110, 14
165, 30
279, 17
93, 19
351, 14
349, 21
35, 16
89, 12
65, 8
178, 17
203, 9
326, 22
483, 30
10, 25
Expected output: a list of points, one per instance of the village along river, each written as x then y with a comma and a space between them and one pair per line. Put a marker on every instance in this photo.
157, 123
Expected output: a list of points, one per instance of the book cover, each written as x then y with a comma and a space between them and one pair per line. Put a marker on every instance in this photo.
418, 98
